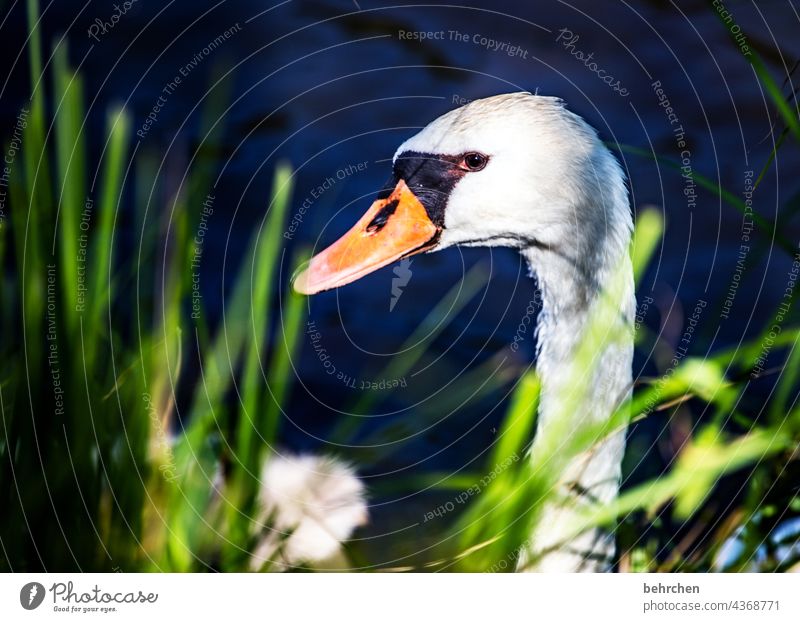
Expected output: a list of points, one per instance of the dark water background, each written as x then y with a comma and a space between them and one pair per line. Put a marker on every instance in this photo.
324, 86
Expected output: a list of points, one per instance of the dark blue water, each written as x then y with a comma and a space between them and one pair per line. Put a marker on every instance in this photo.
331, 89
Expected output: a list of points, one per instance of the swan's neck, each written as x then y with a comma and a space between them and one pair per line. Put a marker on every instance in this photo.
572, 282
570, 294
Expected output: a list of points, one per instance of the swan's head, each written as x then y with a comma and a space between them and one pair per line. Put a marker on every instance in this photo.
514, 170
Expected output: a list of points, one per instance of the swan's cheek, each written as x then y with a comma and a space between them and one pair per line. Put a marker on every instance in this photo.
476, 220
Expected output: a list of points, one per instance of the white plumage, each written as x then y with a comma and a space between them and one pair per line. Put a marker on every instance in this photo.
550, 179
308, 506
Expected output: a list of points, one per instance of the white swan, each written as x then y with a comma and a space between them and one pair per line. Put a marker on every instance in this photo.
520, 170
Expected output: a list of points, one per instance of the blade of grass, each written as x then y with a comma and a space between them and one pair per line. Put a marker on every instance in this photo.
787, 383
70, 158
195, 457
34, 179
250, 428
110, 195
262, 283
772, 156
648, 234
517, 429
280, 367
790, 114
698, 468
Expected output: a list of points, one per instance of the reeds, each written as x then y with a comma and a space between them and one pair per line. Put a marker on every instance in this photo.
104, 469
100, 471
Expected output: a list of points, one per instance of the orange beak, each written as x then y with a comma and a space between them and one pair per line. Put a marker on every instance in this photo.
392, 228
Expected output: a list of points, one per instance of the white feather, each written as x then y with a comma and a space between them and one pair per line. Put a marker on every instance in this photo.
308, 506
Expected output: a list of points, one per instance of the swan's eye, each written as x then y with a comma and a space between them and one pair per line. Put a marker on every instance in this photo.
474, 161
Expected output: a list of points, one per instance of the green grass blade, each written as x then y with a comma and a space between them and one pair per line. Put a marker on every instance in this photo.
285, 351
773, 154
648, 234
70, 158
791, 115
517, 429
114, 162
262, 284
195, 456
250, 441
787, 384
698, 468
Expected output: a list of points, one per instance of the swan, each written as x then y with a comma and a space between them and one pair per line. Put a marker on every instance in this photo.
520, 170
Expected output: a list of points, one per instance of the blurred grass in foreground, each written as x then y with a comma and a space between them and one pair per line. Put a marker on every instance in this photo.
91, 463
99, 464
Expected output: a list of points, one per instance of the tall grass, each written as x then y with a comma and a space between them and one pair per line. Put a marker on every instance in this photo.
104, 468
94, 473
